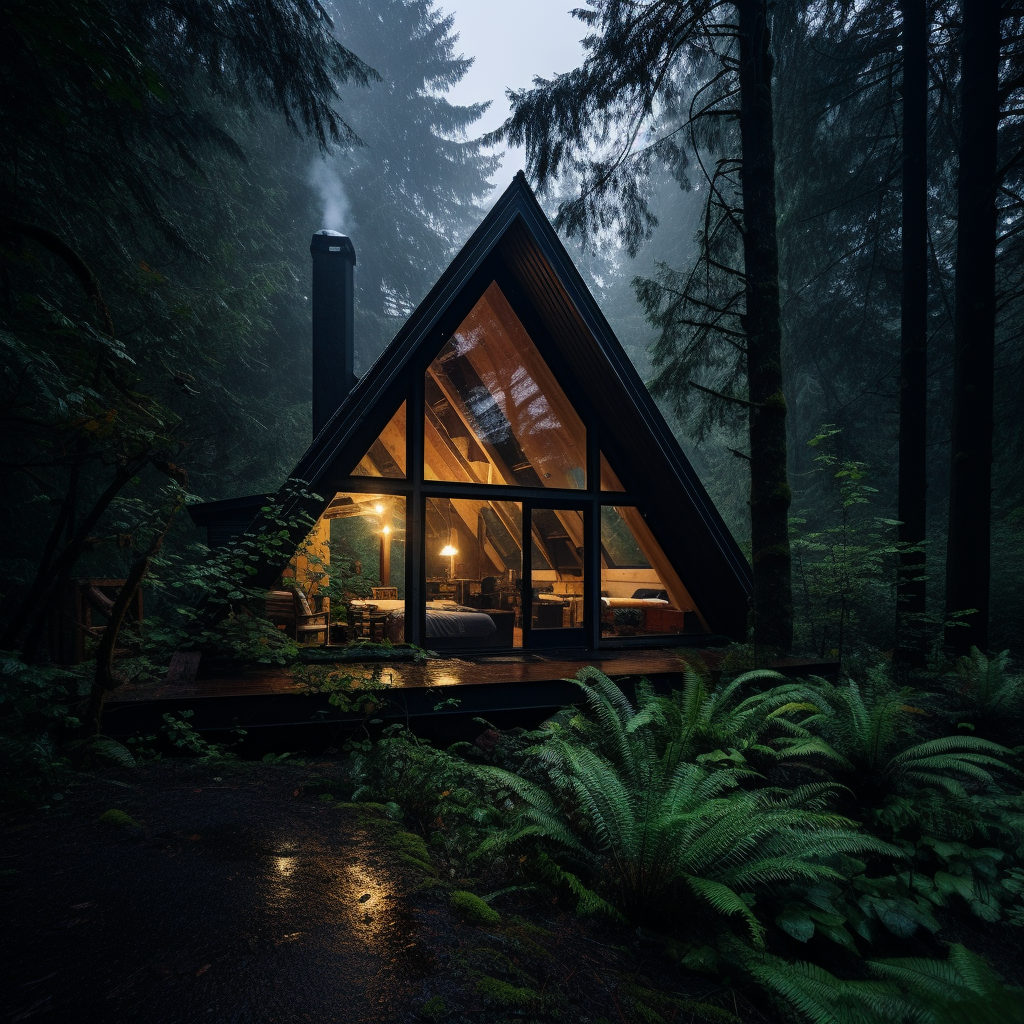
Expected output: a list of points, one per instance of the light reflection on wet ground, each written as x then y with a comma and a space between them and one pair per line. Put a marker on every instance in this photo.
211, 914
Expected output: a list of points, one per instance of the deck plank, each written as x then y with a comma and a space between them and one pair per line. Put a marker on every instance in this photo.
432, 674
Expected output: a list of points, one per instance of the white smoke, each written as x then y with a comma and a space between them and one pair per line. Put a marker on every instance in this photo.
326, 181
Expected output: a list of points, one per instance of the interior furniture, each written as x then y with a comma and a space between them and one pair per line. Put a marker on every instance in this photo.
368, 619
291, 612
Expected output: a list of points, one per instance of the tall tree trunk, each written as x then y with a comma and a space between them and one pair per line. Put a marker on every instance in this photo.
31, 612
970, 480
105, 680
769, 481
911, 504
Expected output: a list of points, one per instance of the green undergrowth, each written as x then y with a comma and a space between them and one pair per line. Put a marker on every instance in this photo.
789, 841
501, 994
410, 848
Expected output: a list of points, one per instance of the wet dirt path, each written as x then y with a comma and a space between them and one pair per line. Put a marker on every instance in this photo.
235, 901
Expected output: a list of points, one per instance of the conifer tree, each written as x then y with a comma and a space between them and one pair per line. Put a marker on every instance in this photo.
128, 242
968, 553
607, 122
415, 184
913, 477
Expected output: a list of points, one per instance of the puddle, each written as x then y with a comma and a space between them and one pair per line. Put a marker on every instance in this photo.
285, 916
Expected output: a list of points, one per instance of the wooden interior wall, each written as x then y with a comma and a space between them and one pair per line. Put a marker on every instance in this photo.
304, 567
678, 594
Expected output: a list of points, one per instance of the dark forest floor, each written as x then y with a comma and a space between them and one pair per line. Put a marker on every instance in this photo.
231, 895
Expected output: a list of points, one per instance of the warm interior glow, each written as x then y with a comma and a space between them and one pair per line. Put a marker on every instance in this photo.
494, 412
378, 508
448, 551
386, 456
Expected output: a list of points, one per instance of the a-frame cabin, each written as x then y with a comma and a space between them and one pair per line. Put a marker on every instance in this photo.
506, 409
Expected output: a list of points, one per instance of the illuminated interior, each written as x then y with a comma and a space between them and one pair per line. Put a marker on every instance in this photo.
473, 554
494, 413
494, 418
641, 593
386, 457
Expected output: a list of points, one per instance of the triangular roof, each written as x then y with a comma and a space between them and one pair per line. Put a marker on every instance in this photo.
517, 246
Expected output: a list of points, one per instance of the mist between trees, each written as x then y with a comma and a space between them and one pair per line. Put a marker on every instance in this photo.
162, 172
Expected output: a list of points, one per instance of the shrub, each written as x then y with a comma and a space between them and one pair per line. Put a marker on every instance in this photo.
655, 836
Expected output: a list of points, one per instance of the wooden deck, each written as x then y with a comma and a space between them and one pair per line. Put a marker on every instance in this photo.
432, 674
442, 696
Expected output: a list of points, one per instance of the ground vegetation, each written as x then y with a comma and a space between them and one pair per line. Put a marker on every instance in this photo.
749, 182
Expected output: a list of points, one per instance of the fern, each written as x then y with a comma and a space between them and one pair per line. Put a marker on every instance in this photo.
661, 835
876, 758
822, 998
963, 989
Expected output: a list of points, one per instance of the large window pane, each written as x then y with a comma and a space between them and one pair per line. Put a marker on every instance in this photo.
641, 593
474, 562
366, 572
494, 411
386, 456
609, 479
556, 569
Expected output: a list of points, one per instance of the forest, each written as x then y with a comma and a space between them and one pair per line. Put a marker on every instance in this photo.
803, 221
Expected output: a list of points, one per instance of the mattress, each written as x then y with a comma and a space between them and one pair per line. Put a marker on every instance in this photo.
444, 620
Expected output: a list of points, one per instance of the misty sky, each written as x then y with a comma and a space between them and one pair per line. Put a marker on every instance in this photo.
511, 44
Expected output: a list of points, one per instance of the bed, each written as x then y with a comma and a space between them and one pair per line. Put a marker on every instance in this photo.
451, 625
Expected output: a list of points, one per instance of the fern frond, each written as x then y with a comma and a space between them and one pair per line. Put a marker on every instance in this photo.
825, 999
727, 902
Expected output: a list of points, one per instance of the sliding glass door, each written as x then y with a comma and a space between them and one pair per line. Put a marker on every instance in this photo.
555, 588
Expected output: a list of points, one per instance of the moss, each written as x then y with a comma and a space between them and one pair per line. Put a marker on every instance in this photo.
523, 935
501, 993
483, 960
412, 850
419, 865
529, 928
776, 402
120, 819
371, 811
472, 909
434, 1009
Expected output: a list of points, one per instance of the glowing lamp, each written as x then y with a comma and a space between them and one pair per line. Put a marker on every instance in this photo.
448, 551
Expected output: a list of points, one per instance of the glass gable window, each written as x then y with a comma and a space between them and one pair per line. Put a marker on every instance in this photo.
609, 479
386, 457
494, 412
497, 574
641, 593
473, 552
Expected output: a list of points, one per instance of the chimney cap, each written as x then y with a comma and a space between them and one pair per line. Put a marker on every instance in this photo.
332, 243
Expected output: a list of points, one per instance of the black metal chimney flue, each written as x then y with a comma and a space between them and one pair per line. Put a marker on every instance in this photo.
334, 258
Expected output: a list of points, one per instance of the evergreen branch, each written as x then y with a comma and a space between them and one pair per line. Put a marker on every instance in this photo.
724, 397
